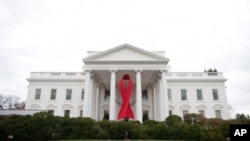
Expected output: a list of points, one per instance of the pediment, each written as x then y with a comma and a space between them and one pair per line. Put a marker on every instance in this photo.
80, 106
170, 106
217, 106
67, 106
125, 53
51, 106
185, 106
201, 107
36, 106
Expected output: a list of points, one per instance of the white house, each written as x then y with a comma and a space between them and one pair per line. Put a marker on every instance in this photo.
157, 92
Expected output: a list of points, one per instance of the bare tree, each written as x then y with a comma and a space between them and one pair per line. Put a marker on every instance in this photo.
8, 102
3, 101
20, 106
12, 100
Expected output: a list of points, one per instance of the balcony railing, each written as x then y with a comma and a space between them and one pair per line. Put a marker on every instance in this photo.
195, 75
56, 75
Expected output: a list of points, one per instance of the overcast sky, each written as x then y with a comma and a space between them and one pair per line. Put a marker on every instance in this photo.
54, 35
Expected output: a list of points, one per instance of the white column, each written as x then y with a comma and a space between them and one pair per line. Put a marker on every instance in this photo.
86, 94
154, 98
97, 102
165, 108
112, 109
161, 101
157, 100
138, 96
91, 97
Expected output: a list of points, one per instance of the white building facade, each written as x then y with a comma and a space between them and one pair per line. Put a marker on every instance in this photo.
157, 92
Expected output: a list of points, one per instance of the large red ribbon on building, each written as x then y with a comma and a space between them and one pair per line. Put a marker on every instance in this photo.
125, 86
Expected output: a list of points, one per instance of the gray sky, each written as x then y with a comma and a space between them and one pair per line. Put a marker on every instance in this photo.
54, 35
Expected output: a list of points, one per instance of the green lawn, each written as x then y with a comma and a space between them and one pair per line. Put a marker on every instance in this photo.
120, 140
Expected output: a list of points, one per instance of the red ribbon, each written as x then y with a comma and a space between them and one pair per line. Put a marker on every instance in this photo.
125, 110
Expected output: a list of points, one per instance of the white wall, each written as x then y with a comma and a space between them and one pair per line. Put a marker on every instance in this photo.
74, 105
60, 102
193, 105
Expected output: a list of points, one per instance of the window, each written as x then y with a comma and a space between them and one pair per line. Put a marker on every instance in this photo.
145, 115
183, 94
184, 112
51, 112
215, 94
38, 94
68, 94
169, 94
80, 113
107, 95
170, 112
199, 94
106, 114
66, 113
82, 94
53, 94
217, 113
202, 112
145, 94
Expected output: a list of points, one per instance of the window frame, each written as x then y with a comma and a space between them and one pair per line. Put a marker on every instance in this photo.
81, 112
51, 111
67, 113
199, 95
38, 95
68, 94
107, 95
202, 112
83, 93
184, 112
183, 95
169, 94
218, 114
170, 112
215, 94
145, 94
53, 94
106, 114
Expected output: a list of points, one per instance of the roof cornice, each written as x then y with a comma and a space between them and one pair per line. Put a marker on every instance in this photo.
122, 61
90, 58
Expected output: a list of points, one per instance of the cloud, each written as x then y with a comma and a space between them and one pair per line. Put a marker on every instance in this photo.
55, 35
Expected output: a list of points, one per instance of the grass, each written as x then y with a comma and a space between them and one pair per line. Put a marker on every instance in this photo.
118, 140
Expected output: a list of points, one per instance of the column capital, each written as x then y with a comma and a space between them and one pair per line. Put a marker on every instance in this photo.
113, 70
87, 70
97, 85
164, 70
138, 70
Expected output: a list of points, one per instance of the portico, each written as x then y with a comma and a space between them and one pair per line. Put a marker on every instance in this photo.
103, 70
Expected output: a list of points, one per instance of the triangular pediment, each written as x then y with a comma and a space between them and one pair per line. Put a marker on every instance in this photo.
126, 53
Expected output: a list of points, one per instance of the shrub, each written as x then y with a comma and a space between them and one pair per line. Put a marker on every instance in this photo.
173, 119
